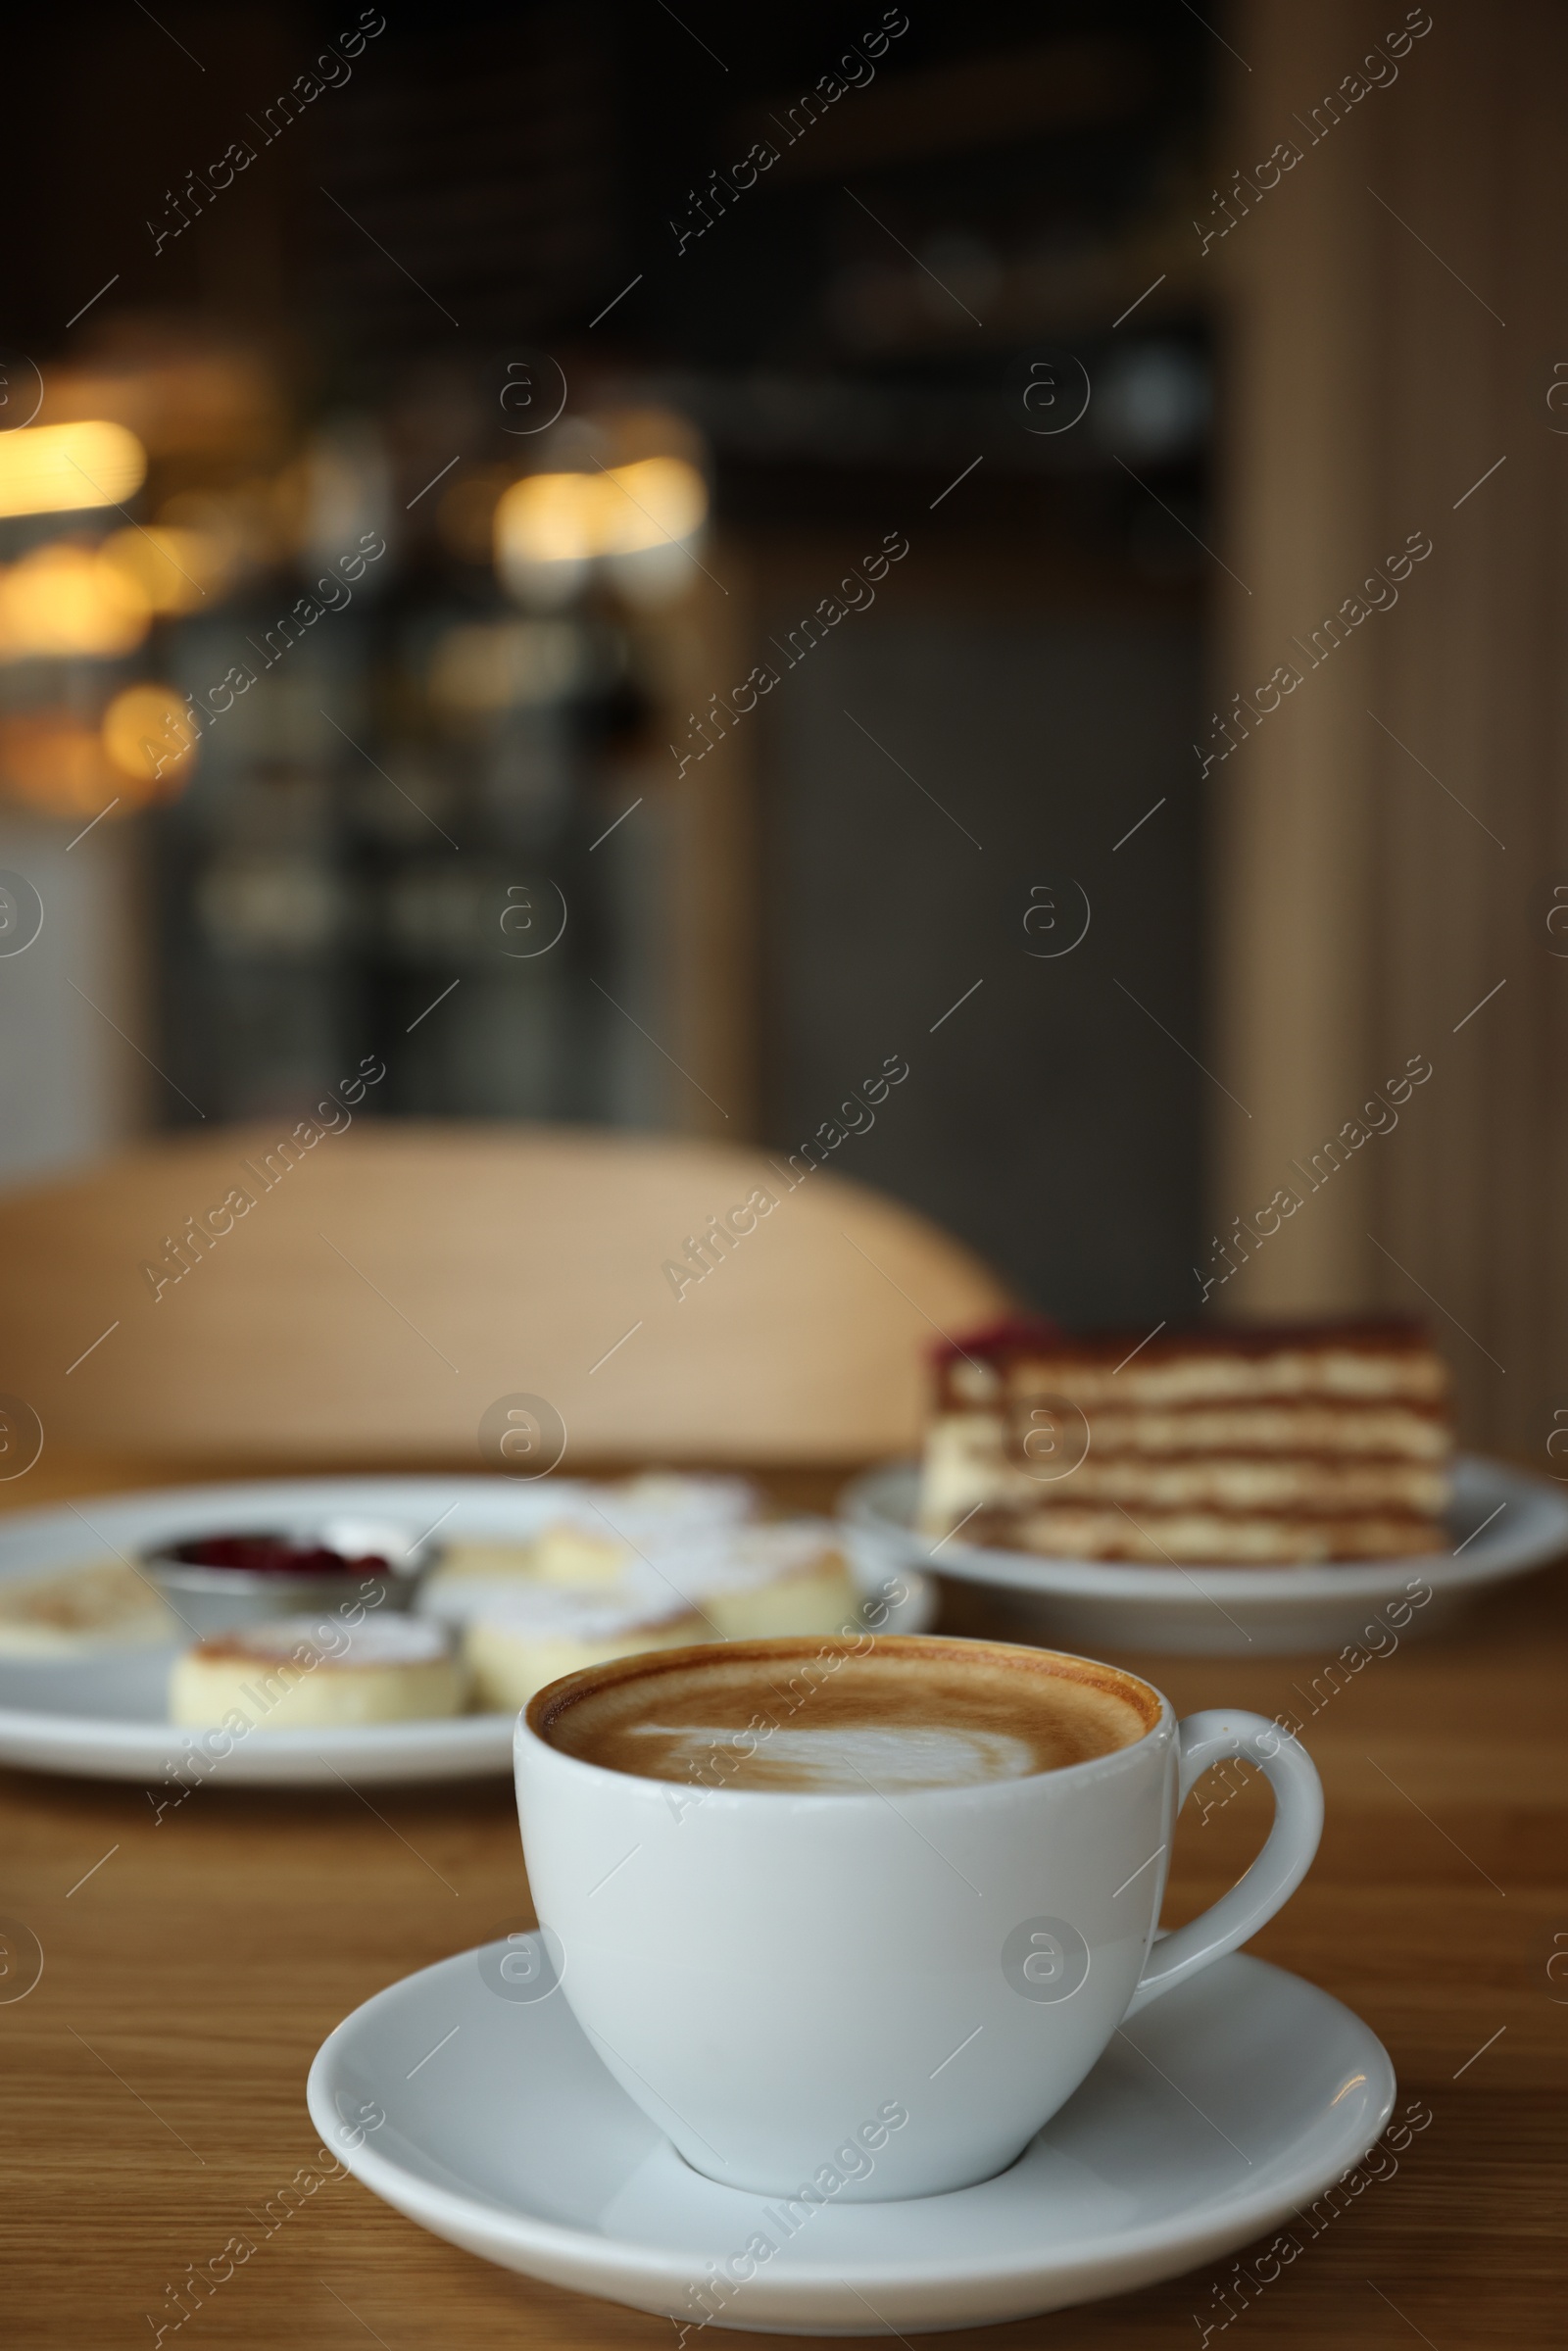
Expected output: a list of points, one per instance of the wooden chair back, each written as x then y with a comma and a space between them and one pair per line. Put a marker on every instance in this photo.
371, 1294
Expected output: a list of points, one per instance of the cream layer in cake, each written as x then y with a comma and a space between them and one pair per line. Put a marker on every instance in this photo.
1211, 1376
297, 1674
968, 1463
1248, 1446
1195, 1537
1404, 1432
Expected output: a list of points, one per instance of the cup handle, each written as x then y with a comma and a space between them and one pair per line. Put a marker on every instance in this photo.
1287, 1856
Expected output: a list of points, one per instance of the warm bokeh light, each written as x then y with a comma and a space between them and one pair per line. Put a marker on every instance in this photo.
650, 504
53, 761
550, 518
63, 601
54, 469
571, 519
147, 737
175, 571
62, 765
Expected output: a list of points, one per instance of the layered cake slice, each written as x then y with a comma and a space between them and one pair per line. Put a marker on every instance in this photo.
1266, 1445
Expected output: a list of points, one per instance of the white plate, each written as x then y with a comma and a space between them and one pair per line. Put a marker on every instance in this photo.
485, 2116
104, 1714
1503, 1522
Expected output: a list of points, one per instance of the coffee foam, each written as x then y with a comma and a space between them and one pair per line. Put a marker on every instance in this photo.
875, 1755
842, 1718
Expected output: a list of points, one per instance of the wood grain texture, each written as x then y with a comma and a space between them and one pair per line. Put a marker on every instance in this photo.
1388, 840
154, 2080
393, 1283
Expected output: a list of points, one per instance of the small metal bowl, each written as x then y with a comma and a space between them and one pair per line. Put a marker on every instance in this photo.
213, 1599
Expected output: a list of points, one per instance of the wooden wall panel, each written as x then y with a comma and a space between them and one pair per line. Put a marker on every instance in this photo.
1384, 350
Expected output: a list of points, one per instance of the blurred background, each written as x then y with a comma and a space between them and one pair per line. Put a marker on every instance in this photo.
635, 567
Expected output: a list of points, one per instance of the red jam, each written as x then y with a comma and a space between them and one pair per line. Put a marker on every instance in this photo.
274, 1555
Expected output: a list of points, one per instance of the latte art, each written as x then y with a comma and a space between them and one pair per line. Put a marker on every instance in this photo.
842, 1717
843, 1758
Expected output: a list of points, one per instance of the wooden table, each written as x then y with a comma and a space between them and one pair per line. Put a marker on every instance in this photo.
155, 2078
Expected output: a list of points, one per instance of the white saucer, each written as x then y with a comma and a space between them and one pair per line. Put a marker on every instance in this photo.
1503, 1522
104, 1715
484, 2115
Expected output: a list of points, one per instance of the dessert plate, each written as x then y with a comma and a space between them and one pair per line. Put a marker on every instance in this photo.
484, 2115
1502, 1522
103, 1714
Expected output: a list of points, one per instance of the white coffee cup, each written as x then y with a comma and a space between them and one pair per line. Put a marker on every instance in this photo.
895, 1992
